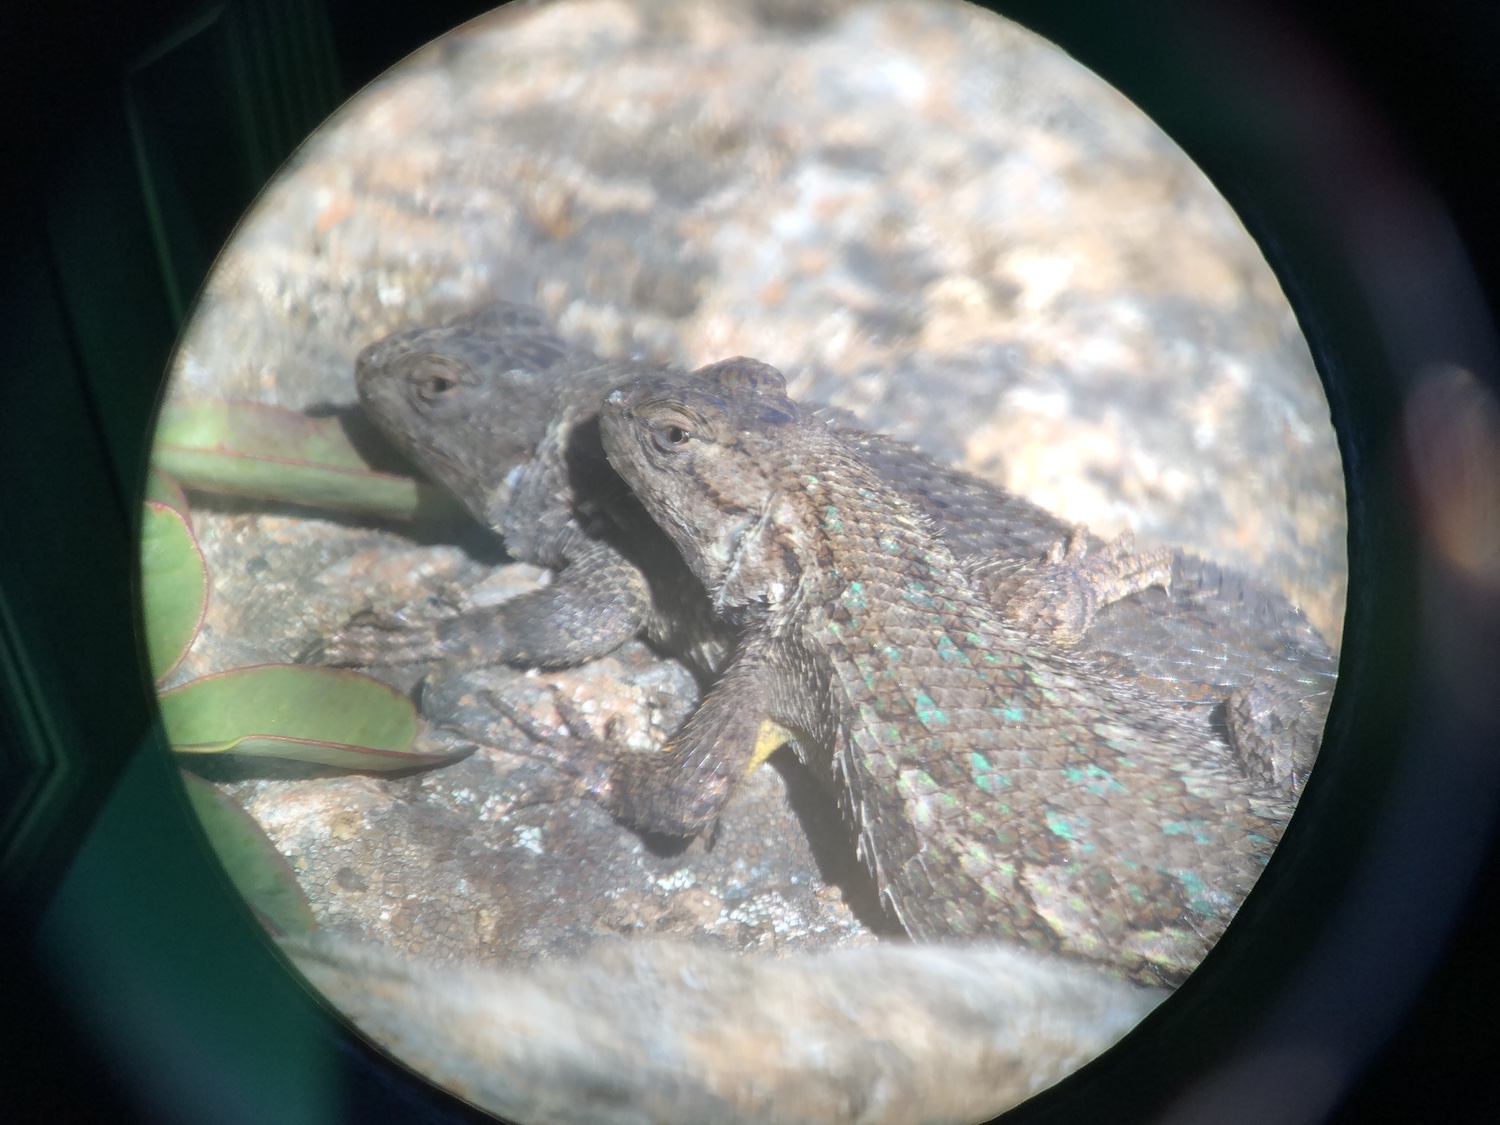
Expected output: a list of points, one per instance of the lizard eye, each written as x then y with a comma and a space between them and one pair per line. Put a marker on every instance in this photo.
433, 386
432, 378
672, 437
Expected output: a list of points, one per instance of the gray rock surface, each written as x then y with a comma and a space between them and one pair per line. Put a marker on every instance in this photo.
916, 210
652, 1031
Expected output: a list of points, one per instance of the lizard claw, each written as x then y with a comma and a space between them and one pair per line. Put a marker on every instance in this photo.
570, 748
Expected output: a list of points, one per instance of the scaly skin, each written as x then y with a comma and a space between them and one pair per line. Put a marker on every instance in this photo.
503, 413
506, 415
996, 784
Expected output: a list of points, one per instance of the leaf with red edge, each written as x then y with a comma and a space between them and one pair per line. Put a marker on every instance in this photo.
329, 716
174, 586
258, 871
164, 490
255, 449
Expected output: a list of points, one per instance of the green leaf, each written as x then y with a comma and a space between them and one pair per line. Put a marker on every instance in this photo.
165, 490
174, 586
330, 716
258, 871
254, 449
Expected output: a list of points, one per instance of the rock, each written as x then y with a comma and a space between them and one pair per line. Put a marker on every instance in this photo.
664, 1032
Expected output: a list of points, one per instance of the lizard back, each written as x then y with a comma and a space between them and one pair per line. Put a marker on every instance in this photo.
996, 785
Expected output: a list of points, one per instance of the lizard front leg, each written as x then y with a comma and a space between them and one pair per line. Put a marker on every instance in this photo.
597, 602
680, 790
676, 791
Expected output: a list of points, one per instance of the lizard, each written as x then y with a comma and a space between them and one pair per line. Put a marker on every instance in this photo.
504, 413
996, 784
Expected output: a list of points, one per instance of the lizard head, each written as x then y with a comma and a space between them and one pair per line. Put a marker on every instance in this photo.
699, 450
467, 402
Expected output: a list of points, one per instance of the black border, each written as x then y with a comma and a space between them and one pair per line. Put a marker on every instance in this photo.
1299, 113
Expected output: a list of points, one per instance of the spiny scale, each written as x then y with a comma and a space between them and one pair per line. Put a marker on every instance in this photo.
997, 786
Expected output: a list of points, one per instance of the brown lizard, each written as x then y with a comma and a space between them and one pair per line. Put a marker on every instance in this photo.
504, 413
997, 785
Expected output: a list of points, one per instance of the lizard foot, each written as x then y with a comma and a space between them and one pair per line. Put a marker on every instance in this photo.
1274, 728
1057, 598
487, 713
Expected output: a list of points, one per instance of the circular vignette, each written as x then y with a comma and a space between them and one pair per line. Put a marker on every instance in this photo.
1360, 855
